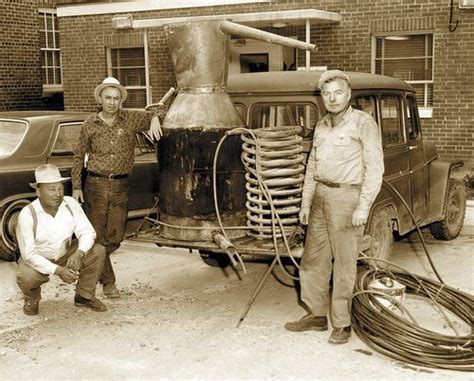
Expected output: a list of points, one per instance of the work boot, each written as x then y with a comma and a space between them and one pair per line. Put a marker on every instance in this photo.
94, 304
31, 306
111, 291
307, 323
340, 335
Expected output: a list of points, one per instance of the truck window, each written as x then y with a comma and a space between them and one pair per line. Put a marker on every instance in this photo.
365, 103
413, 121
287, 114
391, 120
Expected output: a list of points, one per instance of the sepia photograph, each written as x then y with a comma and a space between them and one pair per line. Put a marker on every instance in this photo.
236, 190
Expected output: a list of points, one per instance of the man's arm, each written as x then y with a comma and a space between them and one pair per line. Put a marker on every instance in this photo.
83, 230
27, 245
309, 186
372, 158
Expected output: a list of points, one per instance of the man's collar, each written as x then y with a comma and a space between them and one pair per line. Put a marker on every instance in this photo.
120, 115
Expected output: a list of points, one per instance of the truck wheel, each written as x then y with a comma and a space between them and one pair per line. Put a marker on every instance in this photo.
380, 229
220, 260
455, 209
9, 220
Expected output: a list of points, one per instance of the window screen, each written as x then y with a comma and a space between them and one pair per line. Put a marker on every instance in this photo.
410, 58
50, 48
128, 66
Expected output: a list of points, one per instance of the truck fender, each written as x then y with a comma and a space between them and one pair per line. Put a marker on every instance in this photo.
439, 174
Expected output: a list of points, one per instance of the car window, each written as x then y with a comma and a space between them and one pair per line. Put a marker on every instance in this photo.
365, 103
67, 139
288, 114
413, 120
11, 133
391, 120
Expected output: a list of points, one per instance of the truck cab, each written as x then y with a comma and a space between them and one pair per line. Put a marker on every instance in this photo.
417, 186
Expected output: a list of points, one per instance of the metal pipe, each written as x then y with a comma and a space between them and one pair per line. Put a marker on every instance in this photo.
257, 34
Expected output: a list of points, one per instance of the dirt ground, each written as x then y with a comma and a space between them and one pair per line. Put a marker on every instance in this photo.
177, 319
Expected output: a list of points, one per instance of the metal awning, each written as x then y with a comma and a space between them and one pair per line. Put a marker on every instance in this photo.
255, 19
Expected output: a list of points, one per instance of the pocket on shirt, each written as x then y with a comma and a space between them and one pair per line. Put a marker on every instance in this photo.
343, 148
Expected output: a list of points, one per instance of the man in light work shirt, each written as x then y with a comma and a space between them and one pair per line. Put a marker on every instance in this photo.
44, 233
343, 177
108, 139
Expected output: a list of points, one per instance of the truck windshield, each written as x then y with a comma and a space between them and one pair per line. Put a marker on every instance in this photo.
11, 133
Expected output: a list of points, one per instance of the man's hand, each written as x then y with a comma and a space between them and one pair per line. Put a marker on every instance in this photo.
74, 262
304, 216
66, 274
78, 195
155, 128
359, 217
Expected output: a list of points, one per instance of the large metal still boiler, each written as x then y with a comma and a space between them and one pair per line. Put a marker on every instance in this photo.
198, 118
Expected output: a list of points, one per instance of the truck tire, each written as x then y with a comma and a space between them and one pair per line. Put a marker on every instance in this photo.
455, 209
380, 229
9, 220
220, 260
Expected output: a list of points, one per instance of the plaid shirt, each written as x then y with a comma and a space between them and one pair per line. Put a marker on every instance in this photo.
349, 153
110, 149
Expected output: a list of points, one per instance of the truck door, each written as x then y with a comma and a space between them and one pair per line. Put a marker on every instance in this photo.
418, 170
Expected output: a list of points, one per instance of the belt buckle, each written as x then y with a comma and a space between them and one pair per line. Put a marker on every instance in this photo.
111, 176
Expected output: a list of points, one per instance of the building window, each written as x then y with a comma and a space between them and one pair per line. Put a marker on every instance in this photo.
50, 49
410, 58
128, 66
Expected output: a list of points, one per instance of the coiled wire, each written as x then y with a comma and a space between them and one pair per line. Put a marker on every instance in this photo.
279, 165
387, 332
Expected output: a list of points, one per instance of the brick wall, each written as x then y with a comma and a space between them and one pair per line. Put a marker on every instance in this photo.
20, 70
346, 45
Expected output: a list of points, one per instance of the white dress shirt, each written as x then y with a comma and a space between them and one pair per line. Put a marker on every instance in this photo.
53, 234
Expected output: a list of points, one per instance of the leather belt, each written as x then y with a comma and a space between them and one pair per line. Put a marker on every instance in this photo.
337, 185
110, 177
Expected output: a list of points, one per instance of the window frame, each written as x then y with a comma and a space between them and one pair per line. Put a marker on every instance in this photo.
61, 127
56, 85
425, 111
146, 67
401, 117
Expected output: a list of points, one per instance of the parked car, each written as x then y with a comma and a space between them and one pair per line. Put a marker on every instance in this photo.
31, 138
412, 166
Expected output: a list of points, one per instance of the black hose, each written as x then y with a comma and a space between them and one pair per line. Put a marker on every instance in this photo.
392, 335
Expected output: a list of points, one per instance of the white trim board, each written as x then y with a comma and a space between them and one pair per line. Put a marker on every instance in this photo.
144, 5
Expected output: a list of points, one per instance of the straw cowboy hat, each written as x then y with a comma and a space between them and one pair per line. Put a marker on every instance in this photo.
47, 174
110, 82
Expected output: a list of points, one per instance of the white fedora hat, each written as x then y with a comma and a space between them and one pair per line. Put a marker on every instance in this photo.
47, 174
110, 82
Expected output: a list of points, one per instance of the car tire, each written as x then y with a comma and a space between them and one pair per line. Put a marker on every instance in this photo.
220, 260
9, 220
380, 229
455, 210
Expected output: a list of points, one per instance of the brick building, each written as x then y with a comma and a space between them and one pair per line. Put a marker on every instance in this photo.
428, 43
22, 41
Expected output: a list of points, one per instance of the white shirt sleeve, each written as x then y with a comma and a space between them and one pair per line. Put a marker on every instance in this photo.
26, 243
84, 230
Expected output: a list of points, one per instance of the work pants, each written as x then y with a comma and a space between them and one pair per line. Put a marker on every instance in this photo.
30, 280
332, 246
106, 205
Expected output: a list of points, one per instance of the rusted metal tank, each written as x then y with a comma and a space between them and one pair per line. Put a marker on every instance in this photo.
198, 118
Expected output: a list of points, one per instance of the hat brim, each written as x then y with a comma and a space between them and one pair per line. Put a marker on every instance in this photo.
59, 180
102, 86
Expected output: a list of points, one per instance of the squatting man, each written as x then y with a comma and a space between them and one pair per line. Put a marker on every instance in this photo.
44, 233
343, 177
